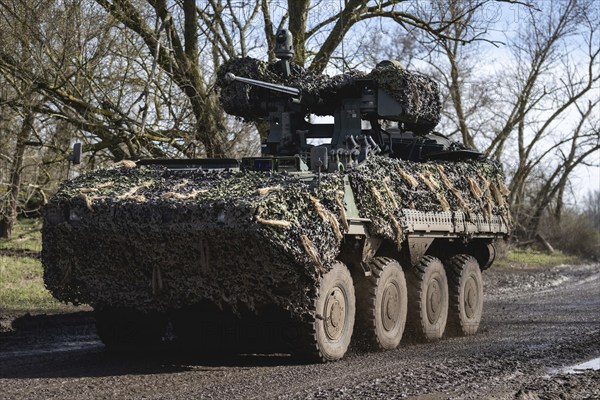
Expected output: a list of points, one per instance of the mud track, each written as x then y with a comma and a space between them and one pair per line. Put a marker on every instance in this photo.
535, 322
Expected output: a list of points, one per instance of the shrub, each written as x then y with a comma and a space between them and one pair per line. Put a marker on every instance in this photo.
575, 234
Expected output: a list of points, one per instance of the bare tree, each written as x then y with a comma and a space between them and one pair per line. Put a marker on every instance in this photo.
591, 208
536, 112
135, 78
550, 114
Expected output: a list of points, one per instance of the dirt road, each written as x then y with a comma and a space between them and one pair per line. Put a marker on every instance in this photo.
535, 323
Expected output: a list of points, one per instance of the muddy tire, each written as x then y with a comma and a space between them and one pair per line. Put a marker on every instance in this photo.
327, 334
466, 295
427, 299
382, 305
124, 330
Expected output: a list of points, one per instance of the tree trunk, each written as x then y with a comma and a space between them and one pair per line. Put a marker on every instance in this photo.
545, 244
298, 12
210, 125
9, 216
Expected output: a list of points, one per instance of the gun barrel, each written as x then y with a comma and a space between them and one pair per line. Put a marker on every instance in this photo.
229, 77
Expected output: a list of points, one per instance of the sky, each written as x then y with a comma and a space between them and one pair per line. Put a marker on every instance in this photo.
505, 21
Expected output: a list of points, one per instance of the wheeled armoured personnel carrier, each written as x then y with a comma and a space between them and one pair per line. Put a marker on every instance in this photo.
351, 230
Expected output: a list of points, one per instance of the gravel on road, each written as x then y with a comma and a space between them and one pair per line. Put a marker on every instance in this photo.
536, 322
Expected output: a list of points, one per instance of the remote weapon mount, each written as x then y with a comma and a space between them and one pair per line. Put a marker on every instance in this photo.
359, 116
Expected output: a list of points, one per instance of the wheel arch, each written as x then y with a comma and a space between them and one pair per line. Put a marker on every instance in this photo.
482, 249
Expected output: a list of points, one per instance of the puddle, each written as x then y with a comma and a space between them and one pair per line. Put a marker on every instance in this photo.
578, 368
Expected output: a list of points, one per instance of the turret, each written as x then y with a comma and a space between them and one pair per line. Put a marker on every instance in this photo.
284, 95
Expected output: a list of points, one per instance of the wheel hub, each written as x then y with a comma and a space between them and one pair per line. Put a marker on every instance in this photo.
470, 297
390, 306
335, 313
434, 301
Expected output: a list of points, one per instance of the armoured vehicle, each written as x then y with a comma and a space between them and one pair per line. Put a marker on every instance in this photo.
351, 230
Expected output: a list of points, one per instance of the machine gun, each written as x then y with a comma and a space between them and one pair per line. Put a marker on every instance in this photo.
368, 101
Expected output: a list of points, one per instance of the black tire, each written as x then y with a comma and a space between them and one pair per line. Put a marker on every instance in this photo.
326, 335
382, 305
123, 330
466, 295
427, 299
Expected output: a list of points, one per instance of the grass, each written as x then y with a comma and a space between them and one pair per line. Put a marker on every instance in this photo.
22, 286
528, 257
21, 273
26, 235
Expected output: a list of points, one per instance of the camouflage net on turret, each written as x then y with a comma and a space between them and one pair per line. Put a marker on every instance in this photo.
154, 239
418, 94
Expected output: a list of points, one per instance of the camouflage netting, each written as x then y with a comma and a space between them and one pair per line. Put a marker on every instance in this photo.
388, 186
240, 99
417, 94
154, 239
157, 239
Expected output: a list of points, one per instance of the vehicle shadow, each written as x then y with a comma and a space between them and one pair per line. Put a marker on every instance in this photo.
67, 346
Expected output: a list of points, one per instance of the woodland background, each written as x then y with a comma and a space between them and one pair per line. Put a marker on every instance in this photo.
135, 79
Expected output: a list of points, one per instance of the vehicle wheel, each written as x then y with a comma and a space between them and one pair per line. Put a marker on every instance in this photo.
382, 305
129, 330
427, 299
466, 295
327, 335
